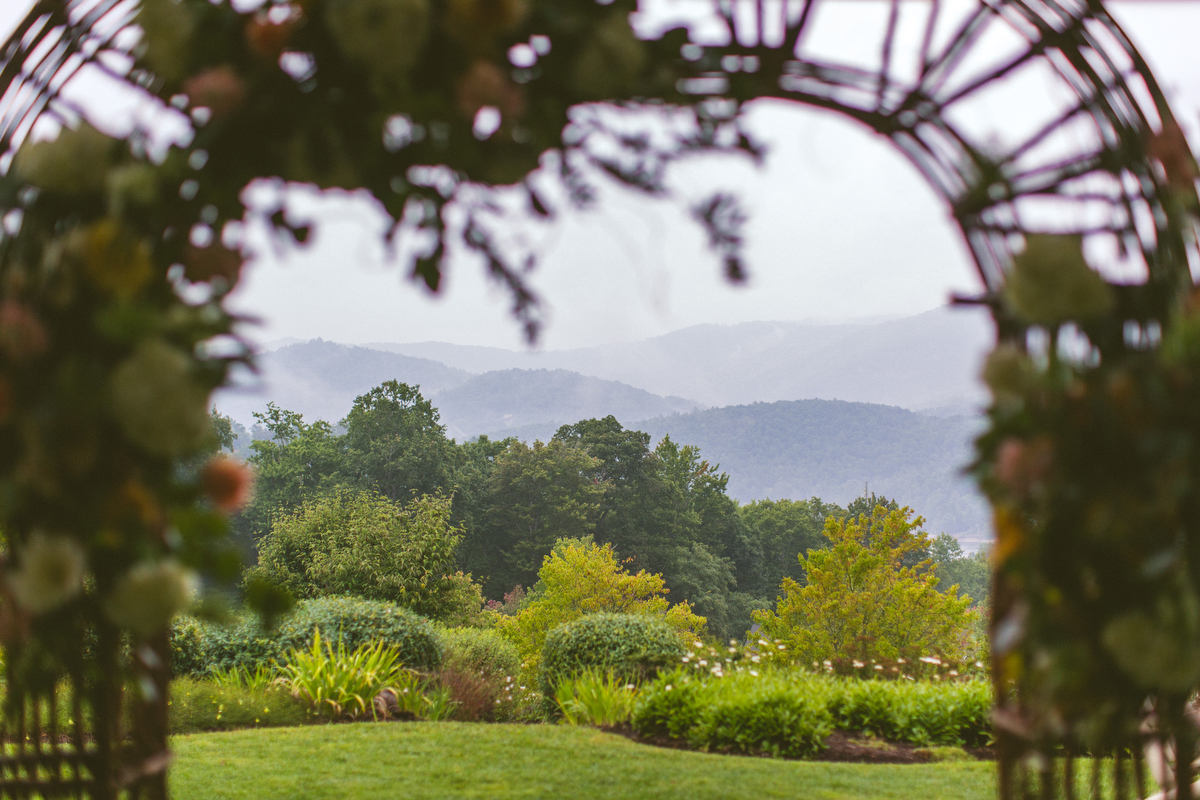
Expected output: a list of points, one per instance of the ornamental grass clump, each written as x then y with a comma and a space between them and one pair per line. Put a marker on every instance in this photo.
602, 699
345, 684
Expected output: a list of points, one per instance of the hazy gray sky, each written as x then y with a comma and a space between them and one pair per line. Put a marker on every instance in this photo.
841, 227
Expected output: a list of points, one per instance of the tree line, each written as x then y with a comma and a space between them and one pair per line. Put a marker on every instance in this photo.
660, 506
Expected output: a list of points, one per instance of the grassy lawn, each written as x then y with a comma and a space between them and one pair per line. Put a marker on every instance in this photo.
451, 760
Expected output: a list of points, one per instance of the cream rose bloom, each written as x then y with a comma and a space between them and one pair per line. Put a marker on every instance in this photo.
50, 573
149, 596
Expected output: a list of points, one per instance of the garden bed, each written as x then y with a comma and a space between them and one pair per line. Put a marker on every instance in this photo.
840, 747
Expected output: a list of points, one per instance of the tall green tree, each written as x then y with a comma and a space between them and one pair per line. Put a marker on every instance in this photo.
297, 463
538, 495
969, 575
785, 529
638, 514
862, 601
395, 443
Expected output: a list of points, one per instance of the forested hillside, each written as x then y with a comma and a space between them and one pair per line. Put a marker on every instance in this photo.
497, 508
833, 449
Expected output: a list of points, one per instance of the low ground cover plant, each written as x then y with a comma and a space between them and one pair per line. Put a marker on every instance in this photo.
206, 705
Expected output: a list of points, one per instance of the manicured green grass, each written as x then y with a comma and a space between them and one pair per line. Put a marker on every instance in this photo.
366, 761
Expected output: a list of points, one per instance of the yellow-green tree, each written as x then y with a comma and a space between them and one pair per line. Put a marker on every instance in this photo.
580, 577
861, 599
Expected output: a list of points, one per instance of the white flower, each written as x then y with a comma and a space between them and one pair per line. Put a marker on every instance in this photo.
51, 572
702, 662
669, 687
158, 403
148, 596
754, 672
755, 659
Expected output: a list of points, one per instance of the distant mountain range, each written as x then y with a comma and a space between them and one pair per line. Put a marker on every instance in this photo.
927, 362
775, 430
496, 402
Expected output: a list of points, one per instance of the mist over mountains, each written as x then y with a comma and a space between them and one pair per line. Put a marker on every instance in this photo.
926, 362
789, 410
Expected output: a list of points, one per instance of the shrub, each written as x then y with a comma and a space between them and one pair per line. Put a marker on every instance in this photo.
200, 705
926, 713
481, 651
478, 669
595, 698
246, 645
771, 715
579, 578
789, 714
633, 647
187, 646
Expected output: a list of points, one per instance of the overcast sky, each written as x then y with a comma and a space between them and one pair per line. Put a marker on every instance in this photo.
841, 227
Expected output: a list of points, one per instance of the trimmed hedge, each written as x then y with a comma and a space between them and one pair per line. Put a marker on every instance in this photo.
790, 715
635, 648
200, 648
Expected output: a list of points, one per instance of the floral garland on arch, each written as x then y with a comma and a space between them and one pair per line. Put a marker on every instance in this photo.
117, 255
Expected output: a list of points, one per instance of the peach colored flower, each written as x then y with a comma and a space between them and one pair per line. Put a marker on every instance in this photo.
218, 89
485, 84
22, 335
227, 483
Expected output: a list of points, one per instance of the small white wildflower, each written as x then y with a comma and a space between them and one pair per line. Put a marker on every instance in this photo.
781, 647
954, 673
522, 687
629, 686
979, 664
828, 663
930, 660
879, 666
754, 672
763, 641
668, 687
698, 644
702, 662
857, 664
756, 659
686, 659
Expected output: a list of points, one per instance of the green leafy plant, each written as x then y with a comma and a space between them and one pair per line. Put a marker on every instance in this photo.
342, 683
595, 698
256, 678
205, 705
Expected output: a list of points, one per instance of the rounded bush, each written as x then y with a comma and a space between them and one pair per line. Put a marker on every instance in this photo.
633, 647
246, 644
